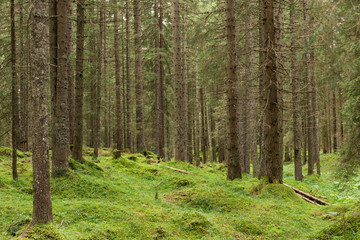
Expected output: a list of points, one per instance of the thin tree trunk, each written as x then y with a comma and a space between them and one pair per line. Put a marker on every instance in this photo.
203, 127
23, 142
295, 95
334, 120
79, 84
160, 81
106, 85
208, 125
234, 166
42, 206
128, 79
180, 105
197, 111
140, 135
98, 82
71, 91
14, 94
118, 105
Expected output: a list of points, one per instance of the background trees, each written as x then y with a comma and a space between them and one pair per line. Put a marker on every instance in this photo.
170, 71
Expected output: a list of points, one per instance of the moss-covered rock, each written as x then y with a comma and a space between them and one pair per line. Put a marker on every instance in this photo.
45, 232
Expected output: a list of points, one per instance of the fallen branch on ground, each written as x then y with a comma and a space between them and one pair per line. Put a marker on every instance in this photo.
175, 169
308, 196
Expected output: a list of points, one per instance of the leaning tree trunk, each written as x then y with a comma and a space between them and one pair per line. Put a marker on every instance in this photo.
234, 166
180, 104
42, 208
79, 84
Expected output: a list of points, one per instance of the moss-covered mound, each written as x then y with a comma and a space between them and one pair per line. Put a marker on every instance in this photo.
45, 232
347, 227
279, 192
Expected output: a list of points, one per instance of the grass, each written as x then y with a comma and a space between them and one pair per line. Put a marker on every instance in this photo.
127, 198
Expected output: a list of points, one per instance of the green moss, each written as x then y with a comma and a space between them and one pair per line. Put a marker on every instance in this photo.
248, 227
195, 222
348, 226
18, 225
5, 151
279, 192
45, 232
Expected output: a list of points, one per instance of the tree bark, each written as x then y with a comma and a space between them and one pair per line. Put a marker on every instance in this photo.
234, 166
273, 161
295, 95
71, 92
140, 135
334, 120
128, 79
14, 94
98, 82
118, 107
60, 163
180, 104
42, 206
79, 84
160, 81
23, 143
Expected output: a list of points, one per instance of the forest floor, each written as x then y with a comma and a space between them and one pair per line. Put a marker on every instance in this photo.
128, 198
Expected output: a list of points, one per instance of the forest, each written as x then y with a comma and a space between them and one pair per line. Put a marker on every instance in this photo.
179, 119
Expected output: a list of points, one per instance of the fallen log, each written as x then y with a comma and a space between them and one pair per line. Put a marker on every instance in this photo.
308, 196
175, 169
306, 199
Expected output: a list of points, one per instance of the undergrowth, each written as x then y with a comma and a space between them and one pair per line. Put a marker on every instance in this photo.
132, 198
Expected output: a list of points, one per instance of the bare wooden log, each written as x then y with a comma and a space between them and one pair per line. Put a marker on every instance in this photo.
308, 200
175, 169
308, 195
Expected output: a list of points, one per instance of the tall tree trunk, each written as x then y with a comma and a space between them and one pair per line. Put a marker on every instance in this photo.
42, 206
203, 126
253, 105
79, 84
140, 135
197, 111
334, 120
106, 85
98, 82
24, 95
295, 95
274, 167
180, 104
185, 73
311, 152
160, 81
71, 89
262, 163
208, 126
14, 94
128, 79
279, 35
118, 107
53, 52
60, 163
234, 166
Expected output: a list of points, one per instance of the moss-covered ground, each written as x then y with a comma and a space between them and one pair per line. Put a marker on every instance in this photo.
128, 198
